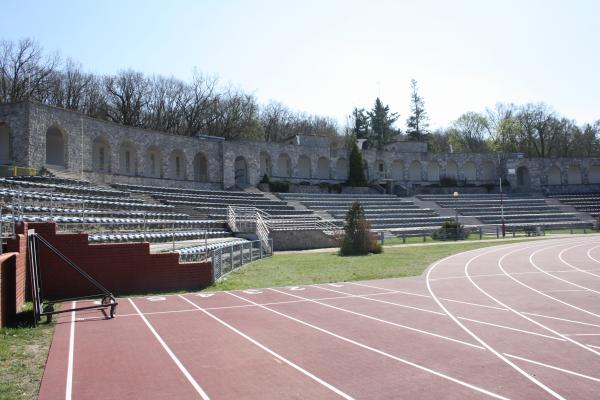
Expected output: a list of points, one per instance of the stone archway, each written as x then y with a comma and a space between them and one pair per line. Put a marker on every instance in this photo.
6, 154
488, 171
433, 171
266, 166
594, 174
128, 159
523, 178
200, 168
414, 171
177, 165
56, 148
574, 175
553, 176
341, 169
241, 171
304, 168
398, 170
451, 170
470, 171
101, 155
153, 163
284, 166
323, 168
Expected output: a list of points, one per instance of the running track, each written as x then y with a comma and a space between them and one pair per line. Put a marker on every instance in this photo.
519, 321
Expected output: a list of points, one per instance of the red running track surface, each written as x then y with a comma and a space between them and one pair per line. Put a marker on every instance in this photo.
519, 321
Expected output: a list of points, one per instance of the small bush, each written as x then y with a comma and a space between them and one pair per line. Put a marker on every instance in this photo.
265, 179
488, 186
358, 238
280, 186
450, 231
447, 181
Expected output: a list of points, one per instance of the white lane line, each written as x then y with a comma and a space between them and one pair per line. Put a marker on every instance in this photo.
557, 277
563, 290
377, 351
69, 387
365, 297
594, 346
571, 321
181, 367
582, 334
566, 371
499, 263
477, 338
271, 352
410, 328
560, 257
391, 291
589, 254
497, 275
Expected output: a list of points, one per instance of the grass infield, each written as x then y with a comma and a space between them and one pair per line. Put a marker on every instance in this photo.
309, 268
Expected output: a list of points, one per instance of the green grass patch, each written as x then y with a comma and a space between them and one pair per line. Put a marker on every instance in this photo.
310, 268
23, 354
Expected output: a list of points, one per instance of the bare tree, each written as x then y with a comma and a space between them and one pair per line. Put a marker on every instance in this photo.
126, 95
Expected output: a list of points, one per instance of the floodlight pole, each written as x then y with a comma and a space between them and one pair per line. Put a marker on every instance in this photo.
502, 209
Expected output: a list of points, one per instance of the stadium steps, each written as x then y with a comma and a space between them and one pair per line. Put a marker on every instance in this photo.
568, 208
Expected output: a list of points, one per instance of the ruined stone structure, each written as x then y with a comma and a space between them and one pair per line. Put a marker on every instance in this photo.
39, 136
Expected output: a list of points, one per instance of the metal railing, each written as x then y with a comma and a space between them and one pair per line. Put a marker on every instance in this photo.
13, 170
228, 259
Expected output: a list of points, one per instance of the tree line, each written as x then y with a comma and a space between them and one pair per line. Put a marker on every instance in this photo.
153, 102
204, 106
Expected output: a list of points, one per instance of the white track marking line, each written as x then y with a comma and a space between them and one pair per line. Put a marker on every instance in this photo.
481, 341
582, 334
589, 254
171, 354
566, 371
391, 291
496, 275
69, 386
365, 297
560, 257
560, 319
271, 352
563, 290
557, 277
594, 346
377, 351
410, 328
499, 263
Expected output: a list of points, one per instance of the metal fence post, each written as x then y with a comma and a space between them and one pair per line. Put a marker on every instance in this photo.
231, 257
173, 235
497, 233
480, 233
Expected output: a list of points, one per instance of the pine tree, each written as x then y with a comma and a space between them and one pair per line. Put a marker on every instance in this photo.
358, 238
381, 121
356, 175
418, 122
360, 123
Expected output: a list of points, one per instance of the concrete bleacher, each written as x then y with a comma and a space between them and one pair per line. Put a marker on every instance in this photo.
384, 212
588, 203
518, 209
108, 215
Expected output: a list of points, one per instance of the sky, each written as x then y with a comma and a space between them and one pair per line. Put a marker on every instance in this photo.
327, 57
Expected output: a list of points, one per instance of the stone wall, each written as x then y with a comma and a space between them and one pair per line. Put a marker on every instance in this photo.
106, 152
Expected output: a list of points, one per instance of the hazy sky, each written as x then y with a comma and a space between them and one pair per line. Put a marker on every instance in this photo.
326, 57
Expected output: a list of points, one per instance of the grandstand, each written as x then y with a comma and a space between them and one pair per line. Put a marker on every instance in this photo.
516, 209
588, 203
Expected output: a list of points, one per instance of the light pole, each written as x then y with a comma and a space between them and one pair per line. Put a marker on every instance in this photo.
455, 195
502, 209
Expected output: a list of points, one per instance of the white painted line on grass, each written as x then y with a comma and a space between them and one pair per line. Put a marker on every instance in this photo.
69, 387
271, 352
179, 364
377, 351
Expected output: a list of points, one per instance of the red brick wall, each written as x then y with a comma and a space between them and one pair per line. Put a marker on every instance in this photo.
7, 287
121, 268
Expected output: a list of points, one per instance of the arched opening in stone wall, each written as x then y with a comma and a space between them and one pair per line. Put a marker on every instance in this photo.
177, 165
323, 168
153, 162
414, 171
523, 178
101, 155
488, 171
451, 170
128, 159
6, 156
284, 166
341, 169
433, 171
55, 147
200, 168
594, 174
241, 171
470, 171
574, 175
266, 166
398, 170
304, 169
380, 169
553, 176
